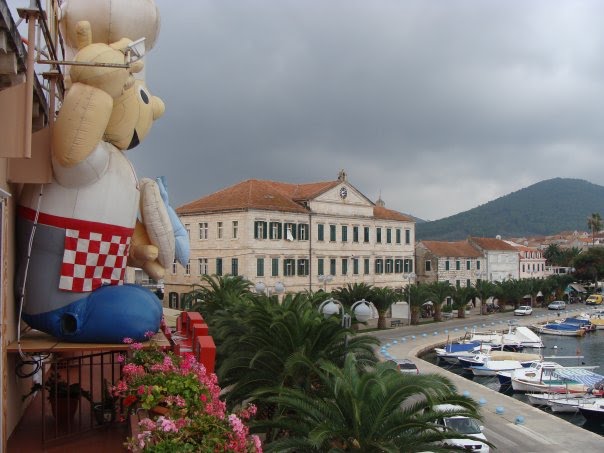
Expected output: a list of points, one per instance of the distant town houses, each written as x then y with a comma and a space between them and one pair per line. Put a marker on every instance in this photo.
318, 235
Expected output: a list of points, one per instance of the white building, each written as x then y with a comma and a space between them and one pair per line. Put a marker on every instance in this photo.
531, 261
501, 259
293, 233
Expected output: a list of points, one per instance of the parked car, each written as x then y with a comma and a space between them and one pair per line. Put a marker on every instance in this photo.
406, 366
557, 305
523, 310
594, 299
463, 425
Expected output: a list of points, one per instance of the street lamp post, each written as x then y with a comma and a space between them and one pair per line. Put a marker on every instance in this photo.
361, 310
262, 288
410, 277
325, 279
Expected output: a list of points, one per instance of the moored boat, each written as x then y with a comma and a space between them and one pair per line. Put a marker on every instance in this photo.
559, 328
593, 411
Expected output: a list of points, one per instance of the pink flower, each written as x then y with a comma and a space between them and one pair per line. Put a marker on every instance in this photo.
257, 443
128, 340
120, 358
149, 334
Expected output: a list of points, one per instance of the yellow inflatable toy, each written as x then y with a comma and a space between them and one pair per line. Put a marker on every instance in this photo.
76, 234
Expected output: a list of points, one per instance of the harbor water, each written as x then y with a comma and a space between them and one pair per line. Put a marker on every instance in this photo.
585, 351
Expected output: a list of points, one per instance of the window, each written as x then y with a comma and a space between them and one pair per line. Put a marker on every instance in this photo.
344, 266
218, 266
275, 267
174, 267
389, 265
332, 266
523, 269
457, 283
289, 267
234, 266
188, 268
235, 228
260, 229
320, 232
344, 233
428, 266
388, 235
188, 228
468, 283
203, 266
259, 267
355, 234
468, 265
477, 264
355, 266
303, 267
303, 229
290, 231
203, 230
378, 235
398, 235
447, 264
398, 266
379, 266
408, 266
407, 236
366, 266
275, 230
320, 266
366, 235
219, 230
457, 265
332, 233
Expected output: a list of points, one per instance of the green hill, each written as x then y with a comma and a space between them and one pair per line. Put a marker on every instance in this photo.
544, 208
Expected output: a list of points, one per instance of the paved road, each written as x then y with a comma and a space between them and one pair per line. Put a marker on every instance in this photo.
538, 432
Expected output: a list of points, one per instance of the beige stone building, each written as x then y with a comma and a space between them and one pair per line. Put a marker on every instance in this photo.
294, 234
458, 263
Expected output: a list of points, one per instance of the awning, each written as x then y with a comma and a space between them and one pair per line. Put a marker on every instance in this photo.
581, 375
575, 287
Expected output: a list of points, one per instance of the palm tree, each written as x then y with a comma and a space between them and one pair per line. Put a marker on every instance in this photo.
439, 291
382, 299
217, 292
351, 293
418, 295
485, 290
461, 297
377, 410
594, 224
264, 345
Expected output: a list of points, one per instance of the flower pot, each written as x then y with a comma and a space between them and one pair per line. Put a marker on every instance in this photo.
64, 408
160, 410
103, 414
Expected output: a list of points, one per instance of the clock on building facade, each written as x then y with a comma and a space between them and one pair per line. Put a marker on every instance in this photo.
343, 193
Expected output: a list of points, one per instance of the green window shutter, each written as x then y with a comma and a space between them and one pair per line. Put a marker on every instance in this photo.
320, 232
256, 227
260, 267
275, 267
320, 267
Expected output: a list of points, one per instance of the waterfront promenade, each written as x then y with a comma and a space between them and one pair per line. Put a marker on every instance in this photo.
511, 425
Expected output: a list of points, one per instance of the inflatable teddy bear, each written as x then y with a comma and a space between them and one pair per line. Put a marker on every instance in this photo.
77, 234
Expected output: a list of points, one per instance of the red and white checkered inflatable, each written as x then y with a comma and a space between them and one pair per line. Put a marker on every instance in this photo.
92, 259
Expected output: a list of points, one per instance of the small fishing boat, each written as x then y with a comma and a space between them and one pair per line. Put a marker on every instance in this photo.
492, 367
559, 328
452, 350
593, 411
551, 377
570, 404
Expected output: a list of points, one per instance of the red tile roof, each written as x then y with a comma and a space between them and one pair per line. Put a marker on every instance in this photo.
250, 194
388, 214
492, 244
462, 249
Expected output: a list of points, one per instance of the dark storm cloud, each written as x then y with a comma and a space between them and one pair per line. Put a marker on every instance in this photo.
439, 106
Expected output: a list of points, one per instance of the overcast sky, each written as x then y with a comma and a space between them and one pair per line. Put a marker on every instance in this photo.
440, 106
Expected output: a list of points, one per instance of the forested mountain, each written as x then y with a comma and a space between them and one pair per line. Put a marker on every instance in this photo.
544, 208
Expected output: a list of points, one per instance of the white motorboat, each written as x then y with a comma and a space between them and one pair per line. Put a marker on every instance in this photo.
551, 377
516, 338
593, 411
544, 399
572, 405
492, 367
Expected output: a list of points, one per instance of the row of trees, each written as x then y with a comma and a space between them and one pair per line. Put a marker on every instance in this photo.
318, 386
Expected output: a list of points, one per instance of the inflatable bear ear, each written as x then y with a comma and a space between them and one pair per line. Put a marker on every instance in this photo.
111, 20
132, 117
111, 80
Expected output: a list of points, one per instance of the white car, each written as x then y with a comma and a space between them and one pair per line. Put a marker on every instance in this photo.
523, 310
463, 425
